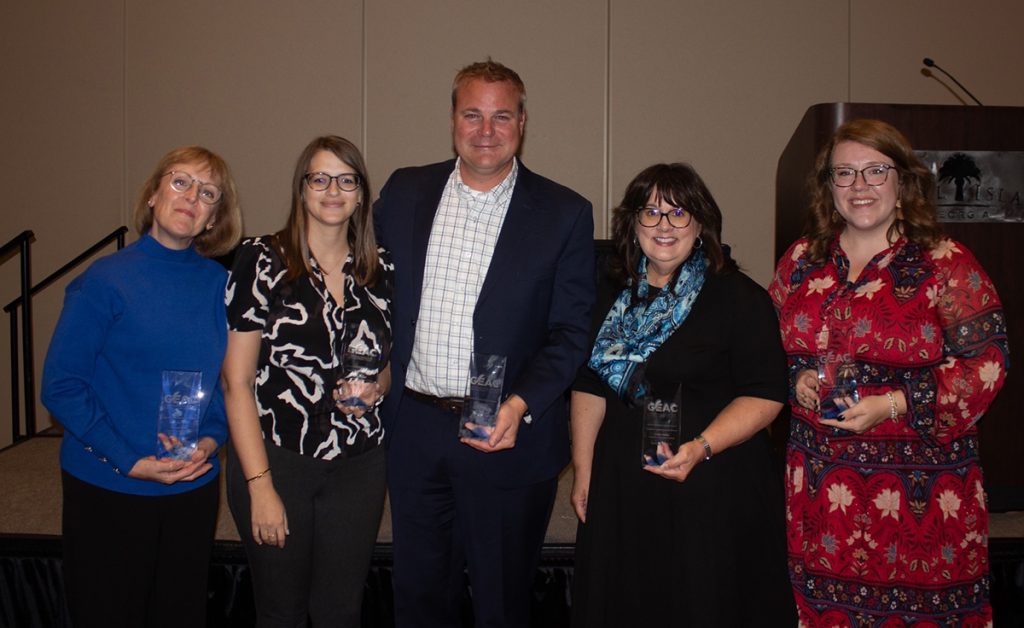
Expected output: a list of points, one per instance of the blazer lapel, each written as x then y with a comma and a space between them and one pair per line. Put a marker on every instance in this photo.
422, 223
521, 221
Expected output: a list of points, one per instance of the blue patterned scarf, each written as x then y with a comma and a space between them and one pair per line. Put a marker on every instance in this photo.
635, 328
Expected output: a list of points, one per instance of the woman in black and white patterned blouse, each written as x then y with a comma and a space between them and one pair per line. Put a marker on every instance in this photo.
306, 367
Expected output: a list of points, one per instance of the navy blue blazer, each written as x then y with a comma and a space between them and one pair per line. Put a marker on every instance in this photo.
534, 305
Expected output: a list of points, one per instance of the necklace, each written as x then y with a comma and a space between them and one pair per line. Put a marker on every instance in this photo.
323, 267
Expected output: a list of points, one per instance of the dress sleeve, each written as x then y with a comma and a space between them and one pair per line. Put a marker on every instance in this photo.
789, 273
254, 277
948, 399
782, 285
91, 306
758, 360
587, 381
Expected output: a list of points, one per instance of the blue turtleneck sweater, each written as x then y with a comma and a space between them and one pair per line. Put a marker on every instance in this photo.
126, 319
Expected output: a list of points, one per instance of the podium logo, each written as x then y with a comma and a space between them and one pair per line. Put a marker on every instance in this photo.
977, 186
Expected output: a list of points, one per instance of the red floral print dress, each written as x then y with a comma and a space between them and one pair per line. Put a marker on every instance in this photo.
890, 528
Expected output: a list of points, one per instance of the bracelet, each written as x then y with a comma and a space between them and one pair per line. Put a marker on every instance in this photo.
707, 448
892, 405
258, 475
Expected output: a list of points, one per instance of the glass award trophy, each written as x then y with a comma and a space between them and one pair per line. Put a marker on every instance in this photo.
178, 421
480, 410
660, 429
360, 366
837, 386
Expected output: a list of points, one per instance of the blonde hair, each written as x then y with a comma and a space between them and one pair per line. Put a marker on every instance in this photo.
226, 229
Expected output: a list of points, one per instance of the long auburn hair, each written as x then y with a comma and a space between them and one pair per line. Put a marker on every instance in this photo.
681, 186
362, 243
916, 218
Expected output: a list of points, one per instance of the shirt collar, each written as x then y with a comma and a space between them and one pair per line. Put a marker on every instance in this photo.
497, 192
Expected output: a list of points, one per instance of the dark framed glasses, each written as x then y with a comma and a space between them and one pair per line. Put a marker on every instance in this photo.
652, 216
320, 181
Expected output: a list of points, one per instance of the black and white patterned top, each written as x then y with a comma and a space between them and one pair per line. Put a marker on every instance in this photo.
304, 334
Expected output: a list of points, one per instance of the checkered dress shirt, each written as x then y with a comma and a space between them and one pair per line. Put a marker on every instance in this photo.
462, 240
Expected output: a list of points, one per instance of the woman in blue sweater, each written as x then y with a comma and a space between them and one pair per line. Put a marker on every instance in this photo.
138, 523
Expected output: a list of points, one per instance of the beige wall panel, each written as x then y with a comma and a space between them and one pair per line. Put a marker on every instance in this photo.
721, 85
61, 65
414, 50
96, 92
979, 43
253, 81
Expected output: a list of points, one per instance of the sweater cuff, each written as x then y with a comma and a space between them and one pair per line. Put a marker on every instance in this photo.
114, 451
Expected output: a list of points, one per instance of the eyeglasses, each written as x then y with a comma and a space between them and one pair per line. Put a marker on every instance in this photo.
320, 181
844, 177
183, 182
651, 217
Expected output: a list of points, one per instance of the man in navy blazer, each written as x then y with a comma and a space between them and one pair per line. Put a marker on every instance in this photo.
490, 258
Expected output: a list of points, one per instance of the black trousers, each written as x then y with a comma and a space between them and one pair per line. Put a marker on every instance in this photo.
137, 561
333, 509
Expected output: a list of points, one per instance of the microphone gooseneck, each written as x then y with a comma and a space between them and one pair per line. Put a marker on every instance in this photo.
931, 64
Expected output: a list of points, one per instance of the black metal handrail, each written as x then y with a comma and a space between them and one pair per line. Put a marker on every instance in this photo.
117, 234
21, 242
16, 242
25, 303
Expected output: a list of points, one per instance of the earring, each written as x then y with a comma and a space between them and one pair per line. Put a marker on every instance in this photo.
150, 203
698, 243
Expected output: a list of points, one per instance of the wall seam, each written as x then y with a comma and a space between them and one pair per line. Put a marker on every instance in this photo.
124, 112
849, 50
607, 183
364, 114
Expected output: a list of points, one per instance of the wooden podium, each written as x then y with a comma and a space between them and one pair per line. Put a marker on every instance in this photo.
999, 246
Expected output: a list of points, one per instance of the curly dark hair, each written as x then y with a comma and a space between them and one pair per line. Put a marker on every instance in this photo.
916, 217
680, 185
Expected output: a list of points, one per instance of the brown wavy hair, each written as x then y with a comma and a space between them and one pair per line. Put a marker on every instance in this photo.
227, 214
680, 185
362, 243
916, 217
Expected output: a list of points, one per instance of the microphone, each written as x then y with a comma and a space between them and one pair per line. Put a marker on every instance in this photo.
931, 64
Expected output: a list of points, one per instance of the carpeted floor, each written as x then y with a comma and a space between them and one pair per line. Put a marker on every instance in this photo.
30, 513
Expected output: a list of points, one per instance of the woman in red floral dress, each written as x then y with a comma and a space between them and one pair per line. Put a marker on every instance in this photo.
897, 334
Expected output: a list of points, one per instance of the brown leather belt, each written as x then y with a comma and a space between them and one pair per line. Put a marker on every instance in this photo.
448, 404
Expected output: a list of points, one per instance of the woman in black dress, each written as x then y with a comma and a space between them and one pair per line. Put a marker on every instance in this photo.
699, 539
